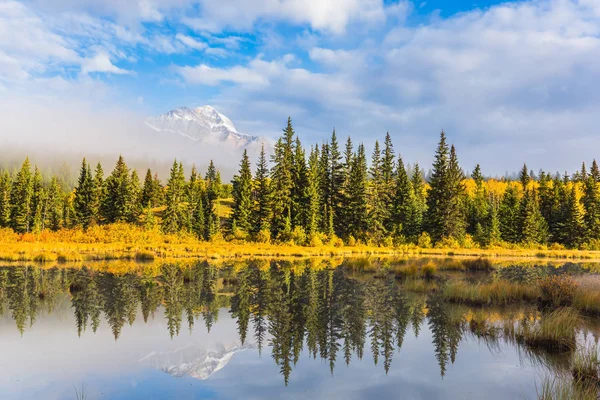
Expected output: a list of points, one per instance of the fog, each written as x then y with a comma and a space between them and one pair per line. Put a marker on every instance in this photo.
56, 136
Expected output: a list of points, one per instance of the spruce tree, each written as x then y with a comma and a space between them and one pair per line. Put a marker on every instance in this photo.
38, 200
53, 215
282, 181
591, 204
336, 181
387, 175
261, 215
533, 225
358, 212
479, 204
84, 196
455, 218
300, 196
116, 206
5, 208
20, 199
377, 205
135, 206
404, 203
445, 218
314, 195
99, 193
595, 172
172, 220
509, 215
418, 188
574, 222
242, 196
147, 197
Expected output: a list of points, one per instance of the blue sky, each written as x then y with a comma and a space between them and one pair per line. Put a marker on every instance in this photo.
509, 81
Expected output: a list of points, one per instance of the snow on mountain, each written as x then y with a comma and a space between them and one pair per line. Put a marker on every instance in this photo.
192, 360
202, 124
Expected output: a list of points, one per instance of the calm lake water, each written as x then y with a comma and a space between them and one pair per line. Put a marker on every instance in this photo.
263, 330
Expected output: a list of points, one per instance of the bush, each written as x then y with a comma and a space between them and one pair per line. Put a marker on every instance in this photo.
351, 241
558, 290
263, 236
315, 240
387, 241
299, 236
239, 234
424, 241
336, 241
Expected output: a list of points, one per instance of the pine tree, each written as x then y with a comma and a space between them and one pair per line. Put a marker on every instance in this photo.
418, 188
117, 202
533, 225
147, 197
99, 193
53, 214
574, 221
300, 196
455, 219
282, 181
595, 172
261, 215
173, 221
20, 199
377, 206
242, 196
478, 205
84, 196
445, 218
493, 228
591, 204
404, 203
509, 215
314, 196
358, 212
336, 181
387, 175
135, 206
524, 177
38, 198
5, 208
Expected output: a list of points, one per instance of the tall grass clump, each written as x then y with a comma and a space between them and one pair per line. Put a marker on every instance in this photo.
562, 389
586, 366
558, 290
498, 292
554, 331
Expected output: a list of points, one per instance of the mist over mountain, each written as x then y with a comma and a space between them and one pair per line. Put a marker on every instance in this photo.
57, 136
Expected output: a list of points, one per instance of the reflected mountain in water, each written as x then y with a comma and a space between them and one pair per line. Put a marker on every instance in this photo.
193, 360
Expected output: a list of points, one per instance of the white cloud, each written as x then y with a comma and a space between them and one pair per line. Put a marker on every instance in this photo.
191, 42
203, 74
101, 63
331, 16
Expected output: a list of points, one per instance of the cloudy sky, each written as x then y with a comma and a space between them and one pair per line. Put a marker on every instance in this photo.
508, 81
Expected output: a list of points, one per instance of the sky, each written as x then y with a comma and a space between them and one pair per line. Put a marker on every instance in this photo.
509, 82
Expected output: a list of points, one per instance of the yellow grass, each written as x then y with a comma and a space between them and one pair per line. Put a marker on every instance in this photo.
122, 241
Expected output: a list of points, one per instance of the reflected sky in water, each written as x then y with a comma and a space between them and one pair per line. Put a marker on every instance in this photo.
202, 332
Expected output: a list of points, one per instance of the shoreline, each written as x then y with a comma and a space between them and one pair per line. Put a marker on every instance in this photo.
77, 252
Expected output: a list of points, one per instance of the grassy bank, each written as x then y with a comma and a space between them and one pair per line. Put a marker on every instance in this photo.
127, 242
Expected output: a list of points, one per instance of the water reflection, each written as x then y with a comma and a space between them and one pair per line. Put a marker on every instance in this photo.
328, 309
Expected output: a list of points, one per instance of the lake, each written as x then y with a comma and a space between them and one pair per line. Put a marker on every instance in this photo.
319, 329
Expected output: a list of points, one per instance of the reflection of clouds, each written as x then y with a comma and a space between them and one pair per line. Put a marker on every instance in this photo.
193, 360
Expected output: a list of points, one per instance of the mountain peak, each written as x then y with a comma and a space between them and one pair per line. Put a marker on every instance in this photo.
204, 124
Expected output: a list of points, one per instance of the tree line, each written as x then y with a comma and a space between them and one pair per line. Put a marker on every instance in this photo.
321, 194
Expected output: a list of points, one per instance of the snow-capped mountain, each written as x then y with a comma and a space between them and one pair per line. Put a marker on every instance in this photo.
202, 124
192, 360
